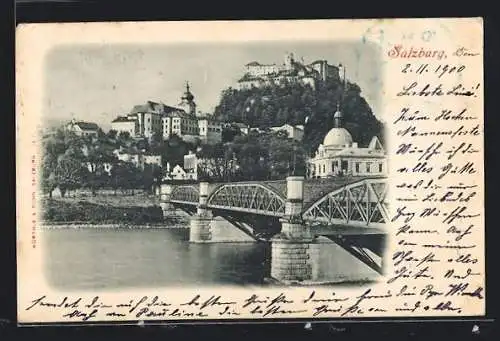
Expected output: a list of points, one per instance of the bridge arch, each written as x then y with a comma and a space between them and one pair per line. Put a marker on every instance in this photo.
185, 194
362, 203
249, 198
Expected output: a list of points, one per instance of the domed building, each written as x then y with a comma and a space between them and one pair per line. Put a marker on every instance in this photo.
340, 155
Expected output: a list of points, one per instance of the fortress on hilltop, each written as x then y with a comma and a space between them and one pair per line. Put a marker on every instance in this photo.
289, 72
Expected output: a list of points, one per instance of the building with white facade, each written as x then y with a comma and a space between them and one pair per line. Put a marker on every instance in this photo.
340, 155
209, 129
82, 128
177, 173
178, 122
138, 158
291, 71
244, 128
128, 124
152, 159
190, 162
157, 118
294, 132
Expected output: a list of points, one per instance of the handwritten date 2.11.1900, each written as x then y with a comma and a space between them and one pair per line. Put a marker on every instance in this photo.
440, 70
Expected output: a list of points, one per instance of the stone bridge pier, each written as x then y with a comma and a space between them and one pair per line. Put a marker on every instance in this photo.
199, 225
295, 254
165, 196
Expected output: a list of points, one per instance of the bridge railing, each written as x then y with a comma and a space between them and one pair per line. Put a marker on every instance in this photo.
355, 202
247, 197
361, 203
185, 194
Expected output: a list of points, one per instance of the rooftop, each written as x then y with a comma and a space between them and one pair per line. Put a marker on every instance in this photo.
254, 63
148, 107
86, 125
359, 152
123, 119
240, 125
247, 77
180, 113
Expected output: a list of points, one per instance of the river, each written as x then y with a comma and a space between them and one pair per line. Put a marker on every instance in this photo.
101, 258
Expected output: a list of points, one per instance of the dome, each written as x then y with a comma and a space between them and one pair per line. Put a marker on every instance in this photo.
337, 137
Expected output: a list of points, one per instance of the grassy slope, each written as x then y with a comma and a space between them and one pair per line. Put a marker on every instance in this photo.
138, 209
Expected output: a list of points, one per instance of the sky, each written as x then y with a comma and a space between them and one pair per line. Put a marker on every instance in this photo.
96, 83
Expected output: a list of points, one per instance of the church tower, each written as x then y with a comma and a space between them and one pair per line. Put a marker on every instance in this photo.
187, 102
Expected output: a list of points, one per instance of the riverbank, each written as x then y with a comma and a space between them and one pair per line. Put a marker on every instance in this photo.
138, 198
81, 212
83, 225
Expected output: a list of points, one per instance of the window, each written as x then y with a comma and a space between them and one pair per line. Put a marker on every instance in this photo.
368, 167
333, 166
357, 167
324, 171
344, 165
380, 168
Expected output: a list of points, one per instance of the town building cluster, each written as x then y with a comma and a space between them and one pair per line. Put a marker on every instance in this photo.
337, 155
295, 132
291, 71
146, 120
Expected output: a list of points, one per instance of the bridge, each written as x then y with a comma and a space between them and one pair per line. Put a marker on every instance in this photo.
291, 214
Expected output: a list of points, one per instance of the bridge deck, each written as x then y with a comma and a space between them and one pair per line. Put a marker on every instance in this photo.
314, 189
338, 230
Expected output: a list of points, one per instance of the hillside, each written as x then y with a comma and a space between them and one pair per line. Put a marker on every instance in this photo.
274, 106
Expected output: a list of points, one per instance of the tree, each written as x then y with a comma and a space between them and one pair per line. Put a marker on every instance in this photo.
229, 133
99, 157
174, 149
49, 164
251, 156
143, 144
275, 105
151, 177
156, 143
216, 162
100, 133
48, 179
112, 134
124, 136
69, 174
124, 176
157, 176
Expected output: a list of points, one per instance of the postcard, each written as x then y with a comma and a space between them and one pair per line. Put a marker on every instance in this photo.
257, 170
